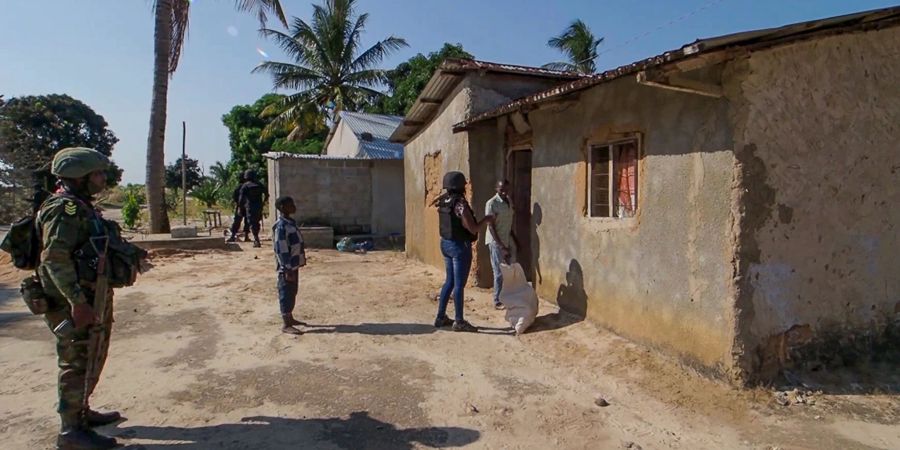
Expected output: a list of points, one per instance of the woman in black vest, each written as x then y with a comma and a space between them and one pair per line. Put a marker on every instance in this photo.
458, 229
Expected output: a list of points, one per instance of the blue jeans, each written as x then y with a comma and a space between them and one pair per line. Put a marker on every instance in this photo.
458, 261
287, 294
496, 259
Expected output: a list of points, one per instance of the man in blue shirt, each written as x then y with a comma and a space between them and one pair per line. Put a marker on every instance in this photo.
290, 256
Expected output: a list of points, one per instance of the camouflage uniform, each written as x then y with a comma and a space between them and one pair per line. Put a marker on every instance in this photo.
66, 222
65, 226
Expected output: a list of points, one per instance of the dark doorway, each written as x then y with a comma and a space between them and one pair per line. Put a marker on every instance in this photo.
519, 170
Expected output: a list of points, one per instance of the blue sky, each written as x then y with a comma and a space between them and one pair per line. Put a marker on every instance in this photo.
101, 51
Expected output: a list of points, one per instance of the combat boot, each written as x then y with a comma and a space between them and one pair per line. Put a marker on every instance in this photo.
83, 439
98, 419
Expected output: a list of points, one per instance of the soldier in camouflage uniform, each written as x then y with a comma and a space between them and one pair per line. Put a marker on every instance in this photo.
65, 222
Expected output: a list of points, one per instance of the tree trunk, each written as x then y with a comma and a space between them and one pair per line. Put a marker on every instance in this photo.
156, 155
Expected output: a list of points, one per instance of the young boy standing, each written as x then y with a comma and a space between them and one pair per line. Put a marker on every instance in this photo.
290, 256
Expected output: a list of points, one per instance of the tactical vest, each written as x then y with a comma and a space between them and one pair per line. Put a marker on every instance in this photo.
123, 259
451, 226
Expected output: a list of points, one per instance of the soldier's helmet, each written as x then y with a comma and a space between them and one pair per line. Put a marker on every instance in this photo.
77, 162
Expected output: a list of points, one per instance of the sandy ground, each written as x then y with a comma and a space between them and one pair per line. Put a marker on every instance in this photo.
198, 361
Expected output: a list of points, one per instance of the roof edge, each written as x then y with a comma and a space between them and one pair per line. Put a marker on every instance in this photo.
753, 40
455, 67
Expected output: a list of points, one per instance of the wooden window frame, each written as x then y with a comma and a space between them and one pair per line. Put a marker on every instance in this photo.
612, 189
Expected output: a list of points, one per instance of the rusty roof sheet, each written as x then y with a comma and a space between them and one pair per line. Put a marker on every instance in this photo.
447, 77
749, 40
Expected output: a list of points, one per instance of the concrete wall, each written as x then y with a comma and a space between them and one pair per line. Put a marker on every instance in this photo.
816, 133
388, 210
336, 192
343, 143
664, 277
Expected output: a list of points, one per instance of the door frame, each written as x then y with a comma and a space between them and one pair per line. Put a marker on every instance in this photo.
525, 256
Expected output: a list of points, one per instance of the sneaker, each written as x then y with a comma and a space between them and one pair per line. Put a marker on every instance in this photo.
257, 244
442, 322
499, 305
462, 325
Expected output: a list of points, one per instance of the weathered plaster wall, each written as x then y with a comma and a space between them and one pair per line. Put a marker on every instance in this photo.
816, 133
426, 157
664, 277
388, 209
437, 150
487, 152
343, 143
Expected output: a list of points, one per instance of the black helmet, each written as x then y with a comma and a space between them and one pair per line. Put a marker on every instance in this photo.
250, 175
454, 181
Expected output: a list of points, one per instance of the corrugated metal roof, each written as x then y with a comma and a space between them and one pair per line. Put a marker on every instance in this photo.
749, 41
281, 155
379, 127
445, 79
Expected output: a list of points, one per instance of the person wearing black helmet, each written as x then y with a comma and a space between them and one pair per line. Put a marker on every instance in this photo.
252, 196
458, 229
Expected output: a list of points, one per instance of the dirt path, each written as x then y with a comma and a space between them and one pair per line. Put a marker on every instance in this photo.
197, 361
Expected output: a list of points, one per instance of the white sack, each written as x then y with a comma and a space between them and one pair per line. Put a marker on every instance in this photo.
519, 298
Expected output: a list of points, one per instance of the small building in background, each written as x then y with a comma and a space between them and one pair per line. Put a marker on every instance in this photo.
356, 187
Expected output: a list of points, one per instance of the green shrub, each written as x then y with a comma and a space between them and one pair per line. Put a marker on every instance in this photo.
207, 192
131, 210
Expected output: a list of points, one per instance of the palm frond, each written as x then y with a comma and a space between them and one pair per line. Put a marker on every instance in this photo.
560, 67
376, 53
351, 40
579, 45
289, 44
298, 113
262, 8
180, 20
370, 77
290, 76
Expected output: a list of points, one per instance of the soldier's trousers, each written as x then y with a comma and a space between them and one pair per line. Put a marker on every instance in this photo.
253, 219
72, 358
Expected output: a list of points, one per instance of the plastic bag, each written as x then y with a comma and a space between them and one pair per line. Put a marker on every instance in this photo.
519, 298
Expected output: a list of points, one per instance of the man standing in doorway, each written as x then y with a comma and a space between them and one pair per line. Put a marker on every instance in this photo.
500, 237
252, 197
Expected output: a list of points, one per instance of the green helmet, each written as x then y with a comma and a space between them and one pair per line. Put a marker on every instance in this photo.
77, 162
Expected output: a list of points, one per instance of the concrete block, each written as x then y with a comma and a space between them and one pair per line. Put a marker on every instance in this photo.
184, 232
318, 237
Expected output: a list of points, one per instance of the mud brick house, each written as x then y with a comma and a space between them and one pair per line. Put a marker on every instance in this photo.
731, 202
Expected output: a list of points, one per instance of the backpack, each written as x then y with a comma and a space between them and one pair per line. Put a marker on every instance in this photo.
23, 243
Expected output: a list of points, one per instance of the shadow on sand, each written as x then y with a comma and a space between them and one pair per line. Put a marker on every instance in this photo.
359, 431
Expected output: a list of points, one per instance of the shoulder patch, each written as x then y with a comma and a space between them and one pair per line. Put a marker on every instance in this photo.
70, 207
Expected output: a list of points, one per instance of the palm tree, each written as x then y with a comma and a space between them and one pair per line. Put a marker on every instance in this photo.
220, 173
327, 70
170, 30
578, 43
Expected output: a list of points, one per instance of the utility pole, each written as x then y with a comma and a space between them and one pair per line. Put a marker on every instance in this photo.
184, 172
